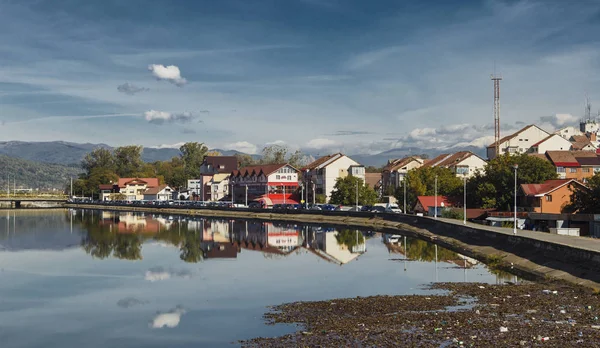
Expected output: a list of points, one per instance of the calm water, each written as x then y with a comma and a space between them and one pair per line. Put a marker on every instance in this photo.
105, 279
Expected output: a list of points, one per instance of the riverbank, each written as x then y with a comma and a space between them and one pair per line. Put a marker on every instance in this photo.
469, 315
533, 255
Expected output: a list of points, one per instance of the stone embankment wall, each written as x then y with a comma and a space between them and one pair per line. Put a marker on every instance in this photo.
532, 254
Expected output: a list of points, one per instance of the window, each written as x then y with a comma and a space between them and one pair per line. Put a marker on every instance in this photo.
560, 169
520, 139
526, 139
585, 170
548, 198
277, 177
289, 177
572, 170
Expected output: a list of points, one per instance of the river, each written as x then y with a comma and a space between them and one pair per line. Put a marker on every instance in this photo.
75, 278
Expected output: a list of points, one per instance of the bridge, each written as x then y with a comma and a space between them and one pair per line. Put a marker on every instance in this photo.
17, 200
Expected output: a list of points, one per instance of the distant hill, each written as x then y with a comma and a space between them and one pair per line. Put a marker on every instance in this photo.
70, 154
381, 159
35, 175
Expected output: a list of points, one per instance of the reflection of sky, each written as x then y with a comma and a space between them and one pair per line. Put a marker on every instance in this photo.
68, 299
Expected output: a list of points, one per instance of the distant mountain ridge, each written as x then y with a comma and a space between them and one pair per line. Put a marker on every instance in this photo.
70, 154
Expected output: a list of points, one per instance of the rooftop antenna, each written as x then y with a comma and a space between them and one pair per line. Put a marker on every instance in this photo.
496, 80
588, 108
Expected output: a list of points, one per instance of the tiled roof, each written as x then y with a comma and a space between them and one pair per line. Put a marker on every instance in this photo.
229, 163
154, 190
265, 169
400, 162
150, 182
589, 161
319, 161
429, 201
562, 158
545, 188
580, 139
455, 158
105, 186
372, 179
508, 137
434, 161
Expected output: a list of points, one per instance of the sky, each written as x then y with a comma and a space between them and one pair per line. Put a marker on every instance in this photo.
319, 75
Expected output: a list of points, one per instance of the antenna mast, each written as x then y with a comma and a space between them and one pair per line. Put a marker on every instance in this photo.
496, 79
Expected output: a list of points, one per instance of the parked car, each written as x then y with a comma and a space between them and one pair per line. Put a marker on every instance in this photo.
315, 207
278, 206
254, 205
366, 208
328, 207
392, 208
378, 209
393, 238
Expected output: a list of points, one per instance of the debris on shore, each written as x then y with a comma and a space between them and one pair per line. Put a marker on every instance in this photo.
464, 315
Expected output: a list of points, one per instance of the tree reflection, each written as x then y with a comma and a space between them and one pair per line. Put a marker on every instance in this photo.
350, 238
421, 250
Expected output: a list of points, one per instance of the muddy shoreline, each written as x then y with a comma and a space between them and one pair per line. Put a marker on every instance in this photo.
464, 315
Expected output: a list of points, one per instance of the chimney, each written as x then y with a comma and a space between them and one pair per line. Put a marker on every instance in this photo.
593, 137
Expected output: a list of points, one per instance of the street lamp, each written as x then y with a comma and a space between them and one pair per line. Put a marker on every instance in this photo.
516, 166
404, 186
357, 197
306, 177
435, 199
246, 195
465, 201
283, 193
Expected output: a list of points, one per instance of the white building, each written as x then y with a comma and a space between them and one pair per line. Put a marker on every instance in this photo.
395, 171
568, 132
463, 163
324, 172
219, 187
160, 193
518, 142
553, 142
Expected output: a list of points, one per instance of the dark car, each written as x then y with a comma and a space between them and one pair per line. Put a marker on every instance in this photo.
254, 205
278, 206
366, 208
378, 209
328, 207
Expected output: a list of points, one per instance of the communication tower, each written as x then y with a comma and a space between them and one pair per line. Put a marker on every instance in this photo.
496, 79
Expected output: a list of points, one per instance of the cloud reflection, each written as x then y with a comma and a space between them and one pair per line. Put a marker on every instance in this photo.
170, 319
159, 273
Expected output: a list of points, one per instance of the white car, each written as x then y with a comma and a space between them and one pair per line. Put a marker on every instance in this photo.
391, 208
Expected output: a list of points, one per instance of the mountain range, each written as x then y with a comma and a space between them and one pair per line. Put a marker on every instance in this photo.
70, 154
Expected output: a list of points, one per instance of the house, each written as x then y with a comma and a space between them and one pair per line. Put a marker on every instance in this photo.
373, 180
158, 193
202, 188
518, 142
395, 171
552, 142
568, 132
217, 187
583, 143
322, 174
463, 164
427, 205
551, 197
270, 184
578, 165
131, 188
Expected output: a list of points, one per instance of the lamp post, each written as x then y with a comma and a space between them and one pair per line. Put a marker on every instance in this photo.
516, 166
356, 196
71, 195
232, 200
283, 193
246, 195
404, 186
306, 177
465, 201
435, 199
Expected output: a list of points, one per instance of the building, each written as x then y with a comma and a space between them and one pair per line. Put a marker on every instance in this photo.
270, 184
202, 188
464, 164
426, 205
518, 142
584, 142
217, 187
373, 180
579, 165
568, 132
552, 142
395, 171
131, 188
550, 197
159, 193
322, 174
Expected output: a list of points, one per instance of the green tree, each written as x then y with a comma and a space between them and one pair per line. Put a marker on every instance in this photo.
421, 182
586, 200
193, 154
495, 187
349, 238
244, 160
320, 198
128, 161
344, 192
99, 158
373, 169
278, 154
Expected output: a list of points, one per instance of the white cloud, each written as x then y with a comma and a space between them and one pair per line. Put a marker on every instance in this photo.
276, 142
320, 143
242, 146
169, 73
160, 117
170, 319
558, 120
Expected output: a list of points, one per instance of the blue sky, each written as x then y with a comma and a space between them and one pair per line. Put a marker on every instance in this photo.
321, 75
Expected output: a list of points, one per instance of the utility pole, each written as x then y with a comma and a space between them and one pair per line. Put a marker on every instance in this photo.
404, 185
357, 197
436, 205
516, 166
246, 195
8, 185
71, 195
465, 201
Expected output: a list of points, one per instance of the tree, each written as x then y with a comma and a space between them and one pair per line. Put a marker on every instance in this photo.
373, 169
320, 198
128, 161
278, 154
421, 182
586, 200
98, 158
193, 154
214, 153
495, 187
349, 238
344, 192
244, 160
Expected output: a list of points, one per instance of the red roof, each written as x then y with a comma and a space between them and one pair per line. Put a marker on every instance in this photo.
545, 188
429, 201
150, 182
105, 186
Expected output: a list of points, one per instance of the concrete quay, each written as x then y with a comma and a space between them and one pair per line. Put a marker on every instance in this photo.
536, 255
